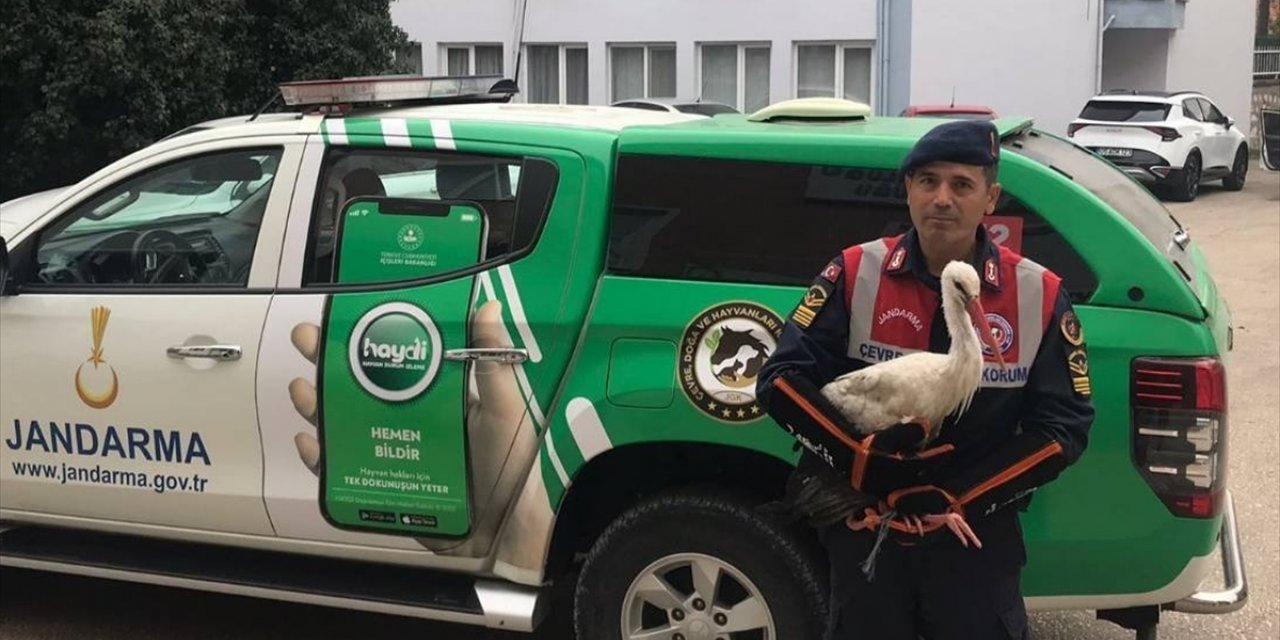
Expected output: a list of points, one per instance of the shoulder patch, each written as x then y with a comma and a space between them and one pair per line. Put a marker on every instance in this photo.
1071, 329
832, 272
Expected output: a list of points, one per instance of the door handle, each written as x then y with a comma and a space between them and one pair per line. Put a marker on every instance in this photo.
222, 352
503, 356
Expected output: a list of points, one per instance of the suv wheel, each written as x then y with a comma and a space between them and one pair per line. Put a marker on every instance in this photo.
1235, 181
698, 566
1185, 188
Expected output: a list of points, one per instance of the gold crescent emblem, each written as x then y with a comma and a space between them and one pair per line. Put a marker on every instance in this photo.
98, 317
97, 400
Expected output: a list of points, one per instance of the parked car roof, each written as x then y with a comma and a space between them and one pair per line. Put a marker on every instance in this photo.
683, 105
949, 110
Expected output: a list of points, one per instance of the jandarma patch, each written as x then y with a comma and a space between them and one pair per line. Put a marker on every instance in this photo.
1071, 329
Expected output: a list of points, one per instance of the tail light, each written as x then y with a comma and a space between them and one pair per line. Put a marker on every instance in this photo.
1180, 431
1074, 127
1167, 134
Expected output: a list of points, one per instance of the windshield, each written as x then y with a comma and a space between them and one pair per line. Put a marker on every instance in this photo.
1125, 111
190, 188
1112, 186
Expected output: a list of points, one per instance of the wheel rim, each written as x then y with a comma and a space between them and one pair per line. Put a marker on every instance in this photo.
1193, 176
696, 597
1242, 166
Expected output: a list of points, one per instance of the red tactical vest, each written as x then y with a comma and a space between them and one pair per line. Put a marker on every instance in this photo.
890, 311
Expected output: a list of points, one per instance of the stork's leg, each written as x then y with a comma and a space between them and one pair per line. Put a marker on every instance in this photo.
956, 523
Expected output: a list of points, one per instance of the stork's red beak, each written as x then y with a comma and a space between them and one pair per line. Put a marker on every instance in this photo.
979, 319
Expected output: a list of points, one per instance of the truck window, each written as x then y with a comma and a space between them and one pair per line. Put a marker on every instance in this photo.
1124, 111
778, 223
189, 223
513, 194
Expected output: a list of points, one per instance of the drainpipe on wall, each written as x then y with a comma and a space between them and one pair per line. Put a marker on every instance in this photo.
882, 47
518, 12
1102, 29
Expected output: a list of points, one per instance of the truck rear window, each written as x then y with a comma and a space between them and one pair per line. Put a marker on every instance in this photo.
1125, 111
778, 223
1122, 193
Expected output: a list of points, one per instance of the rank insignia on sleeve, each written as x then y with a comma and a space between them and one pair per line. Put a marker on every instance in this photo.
1078, 361
814, 299
1081, 385
1071, 329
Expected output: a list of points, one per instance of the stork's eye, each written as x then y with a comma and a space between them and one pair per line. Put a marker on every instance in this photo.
960, 290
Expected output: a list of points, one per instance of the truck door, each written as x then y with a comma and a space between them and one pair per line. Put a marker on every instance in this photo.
424, 320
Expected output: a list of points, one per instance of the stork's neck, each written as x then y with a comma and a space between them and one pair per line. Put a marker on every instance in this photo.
966, 351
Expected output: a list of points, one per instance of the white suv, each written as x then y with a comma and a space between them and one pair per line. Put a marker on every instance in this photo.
1173, 141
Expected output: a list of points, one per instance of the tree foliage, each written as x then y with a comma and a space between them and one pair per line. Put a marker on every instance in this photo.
84, 82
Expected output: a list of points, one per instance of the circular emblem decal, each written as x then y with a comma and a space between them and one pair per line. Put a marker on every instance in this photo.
394, 351
409, 237
722, 352
1002, 331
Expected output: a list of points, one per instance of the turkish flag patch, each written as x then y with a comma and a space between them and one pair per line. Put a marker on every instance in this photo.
832, 272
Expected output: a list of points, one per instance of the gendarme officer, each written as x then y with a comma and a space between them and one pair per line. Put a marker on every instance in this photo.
1027, 423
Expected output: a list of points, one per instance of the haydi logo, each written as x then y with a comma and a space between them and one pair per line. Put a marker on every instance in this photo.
394, 351
93, 387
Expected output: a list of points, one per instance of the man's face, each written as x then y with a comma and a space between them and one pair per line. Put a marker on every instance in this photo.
948, 200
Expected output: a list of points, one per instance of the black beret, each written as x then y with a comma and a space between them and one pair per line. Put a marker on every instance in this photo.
975, 142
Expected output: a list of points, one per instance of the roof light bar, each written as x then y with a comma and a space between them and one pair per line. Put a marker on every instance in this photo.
383, 89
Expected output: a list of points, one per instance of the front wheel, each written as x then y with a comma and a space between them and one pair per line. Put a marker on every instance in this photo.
699, 567
1239, 169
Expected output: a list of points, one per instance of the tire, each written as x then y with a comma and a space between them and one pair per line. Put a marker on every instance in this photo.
1187, 186
1239, 169
756, 559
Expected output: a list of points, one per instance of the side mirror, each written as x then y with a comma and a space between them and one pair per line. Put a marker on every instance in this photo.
1228, 121
4, 267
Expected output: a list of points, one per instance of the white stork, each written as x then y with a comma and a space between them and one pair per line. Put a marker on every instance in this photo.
924, 387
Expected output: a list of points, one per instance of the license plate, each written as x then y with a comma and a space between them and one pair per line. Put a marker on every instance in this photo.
1115, 153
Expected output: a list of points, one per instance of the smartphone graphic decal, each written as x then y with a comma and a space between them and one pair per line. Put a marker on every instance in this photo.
393, 410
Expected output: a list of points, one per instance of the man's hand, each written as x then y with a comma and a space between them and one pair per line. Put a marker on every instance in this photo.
875, 464
887, 460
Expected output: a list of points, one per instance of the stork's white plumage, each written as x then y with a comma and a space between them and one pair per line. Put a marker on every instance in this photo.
923, 387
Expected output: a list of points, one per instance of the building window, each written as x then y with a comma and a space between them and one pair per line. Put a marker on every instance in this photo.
735, 74
642, 71
471, 59
557, 73
833, 70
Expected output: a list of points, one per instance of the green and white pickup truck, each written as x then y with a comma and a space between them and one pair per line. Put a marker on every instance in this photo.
432, 356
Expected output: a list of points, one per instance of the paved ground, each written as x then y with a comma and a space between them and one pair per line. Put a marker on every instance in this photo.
1240, 233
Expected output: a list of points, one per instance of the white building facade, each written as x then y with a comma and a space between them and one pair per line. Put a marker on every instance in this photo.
1040, 58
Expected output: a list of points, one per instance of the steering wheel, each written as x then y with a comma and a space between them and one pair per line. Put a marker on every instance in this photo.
161, 256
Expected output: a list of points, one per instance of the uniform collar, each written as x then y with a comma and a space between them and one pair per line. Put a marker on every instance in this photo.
906, 258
